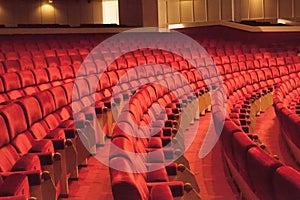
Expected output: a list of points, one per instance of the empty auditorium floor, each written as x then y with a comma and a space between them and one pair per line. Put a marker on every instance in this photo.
210, 172
268, 130
212, 177
94, 182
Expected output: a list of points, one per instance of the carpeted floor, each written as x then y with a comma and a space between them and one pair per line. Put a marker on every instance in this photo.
268, 130
211, 174
94, 181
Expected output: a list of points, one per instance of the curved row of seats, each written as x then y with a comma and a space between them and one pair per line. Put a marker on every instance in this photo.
257, 174
250, 165
52, 119
285, 103
34, 133
39, 54
9, 190
137, 140
45, 123
264, 88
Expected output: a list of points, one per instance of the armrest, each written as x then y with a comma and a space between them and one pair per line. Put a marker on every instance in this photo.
99, 110
243, 122
168, 123
80, 123
70, 133
246, 129
59, 144
167, 131
107, 104
165, 141
172, 169
175, 110
89, 116
46, 158
34, 177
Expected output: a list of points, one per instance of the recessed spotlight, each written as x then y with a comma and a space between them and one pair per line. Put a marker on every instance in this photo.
50, 1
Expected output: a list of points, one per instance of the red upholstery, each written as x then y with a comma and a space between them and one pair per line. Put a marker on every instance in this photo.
161, 192
286, 184
26, 78
39, 62
15, 118
11, 81
12, 66
52, 61
15, 185
261, 168
46, 101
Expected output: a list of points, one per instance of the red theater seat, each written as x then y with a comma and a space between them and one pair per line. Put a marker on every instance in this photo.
54, 76
261, 169
52, 62
41, 78
26, 64
14, 187
11, 55
12, 65
28, 82
39, 62
286, 183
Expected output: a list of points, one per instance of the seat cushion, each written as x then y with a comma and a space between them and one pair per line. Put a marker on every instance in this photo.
58, 133
29, 162
67, 124
158, 175
43, 146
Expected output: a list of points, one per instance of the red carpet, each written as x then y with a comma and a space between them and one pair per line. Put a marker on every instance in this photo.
210, 173
268, 130
214, 183
94, 181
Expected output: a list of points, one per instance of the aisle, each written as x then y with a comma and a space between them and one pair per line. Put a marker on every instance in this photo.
94, 182
268, 130
210, 173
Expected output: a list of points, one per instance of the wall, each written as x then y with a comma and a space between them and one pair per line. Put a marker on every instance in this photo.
145, 12
189, 11
150, 13
131, 12
269, 9
72, 12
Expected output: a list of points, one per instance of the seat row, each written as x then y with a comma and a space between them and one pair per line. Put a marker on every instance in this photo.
257, 61
285, 97
247, 95
40, 128
17, 84
59, 117
257, 174
145, 148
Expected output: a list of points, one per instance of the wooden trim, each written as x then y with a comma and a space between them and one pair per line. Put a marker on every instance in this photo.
267, 29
